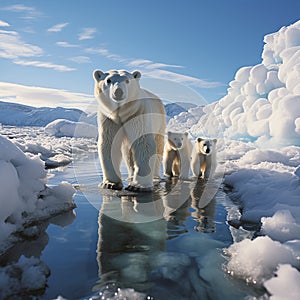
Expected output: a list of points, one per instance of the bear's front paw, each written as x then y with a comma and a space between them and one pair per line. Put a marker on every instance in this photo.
134, 188
111, 185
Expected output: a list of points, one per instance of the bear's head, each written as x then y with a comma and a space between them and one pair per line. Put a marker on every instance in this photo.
206, 146
116, 87
177, 140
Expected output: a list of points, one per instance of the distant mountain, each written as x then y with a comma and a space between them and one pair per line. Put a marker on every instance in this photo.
15, 114
174, 109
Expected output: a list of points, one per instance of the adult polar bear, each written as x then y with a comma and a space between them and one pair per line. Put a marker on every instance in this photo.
131, 121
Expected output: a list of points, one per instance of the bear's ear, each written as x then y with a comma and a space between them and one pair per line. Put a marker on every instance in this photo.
199, 140
136, 74
98, 75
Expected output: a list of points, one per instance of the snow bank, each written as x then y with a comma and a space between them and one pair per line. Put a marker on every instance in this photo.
24, 195
62, 127
263, 101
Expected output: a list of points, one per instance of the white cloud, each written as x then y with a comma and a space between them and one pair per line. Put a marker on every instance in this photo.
87, 34
4, 24
180, 78
58, 27
148, 64
28, 11
80, 59
155, 70
13, 47
66, 45
39, 96
100, 51
42, 64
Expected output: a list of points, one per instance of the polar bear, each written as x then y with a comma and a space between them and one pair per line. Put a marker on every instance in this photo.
131, 121
177, 155
204, 158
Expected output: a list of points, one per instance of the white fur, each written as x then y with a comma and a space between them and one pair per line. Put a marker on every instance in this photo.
131, 122
177, 154
204, 158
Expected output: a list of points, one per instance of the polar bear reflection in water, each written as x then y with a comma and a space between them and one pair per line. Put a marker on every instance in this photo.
134, 232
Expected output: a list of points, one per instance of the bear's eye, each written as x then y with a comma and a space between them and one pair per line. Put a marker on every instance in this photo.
108, 80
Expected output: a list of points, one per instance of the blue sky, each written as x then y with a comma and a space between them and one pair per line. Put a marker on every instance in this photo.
49, 49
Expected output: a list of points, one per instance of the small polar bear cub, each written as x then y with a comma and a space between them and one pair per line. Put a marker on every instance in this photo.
204, 158
177, 154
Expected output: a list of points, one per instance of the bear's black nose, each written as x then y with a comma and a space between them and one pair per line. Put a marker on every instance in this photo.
207, 151
118, 93
179, 145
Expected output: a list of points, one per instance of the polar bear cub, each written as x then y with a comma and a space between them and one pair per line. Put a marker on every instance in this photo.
131, 123
204, 158
177, 154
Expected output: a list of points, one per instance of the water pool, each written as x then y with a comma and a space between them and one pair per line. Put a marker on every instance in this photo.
162, 245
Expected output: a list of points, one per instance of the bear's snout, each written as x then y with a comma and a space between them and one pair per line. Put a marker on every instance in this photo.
179, 145
118, 93
207, 150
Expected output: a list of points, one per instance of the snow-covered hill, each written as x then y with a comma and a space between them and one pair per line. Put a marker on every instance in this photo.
15, 114
174, 109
